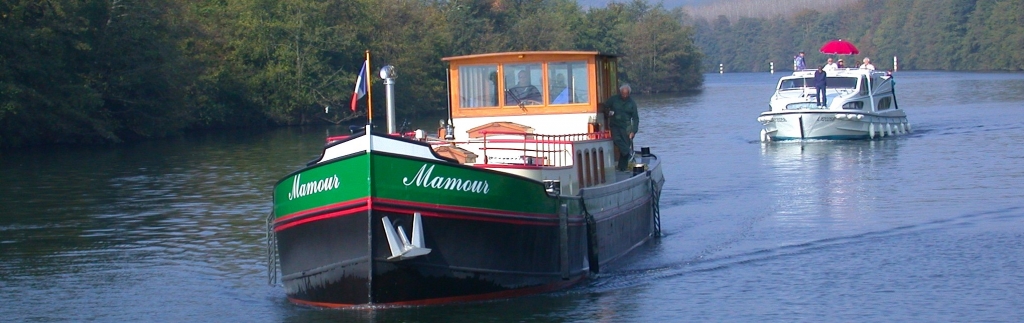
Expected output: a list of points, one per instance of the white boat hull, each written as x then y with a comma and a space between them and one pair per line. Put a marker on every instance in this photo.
829, 125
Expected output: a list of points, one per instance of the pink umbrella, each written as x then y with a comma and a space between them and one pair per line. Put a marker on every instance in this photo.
839, 47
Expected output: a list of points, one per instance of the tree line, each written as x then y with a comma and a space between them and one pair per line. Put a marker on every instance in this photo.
107, 71
952, 35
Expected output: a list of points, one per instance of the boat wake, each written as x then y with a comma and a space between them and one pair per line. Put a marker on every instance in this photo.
707, 262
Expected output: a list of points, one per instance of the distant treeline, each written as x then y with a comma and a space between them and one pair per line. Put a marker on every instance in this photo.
955, 35
104, 71
734, 9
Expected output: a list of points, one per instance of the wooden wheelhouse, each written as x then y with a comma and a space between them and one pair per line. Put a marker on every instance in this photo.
487, 90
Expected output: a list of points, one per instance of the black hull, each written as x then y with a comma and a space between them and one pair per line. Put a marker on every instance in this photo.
619, 232
320, 264
473, 257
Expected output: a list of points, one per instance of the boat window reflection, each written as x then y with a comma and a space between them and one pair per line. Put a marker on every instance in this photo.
523, 84
884, 103
478, 86
568, 82
807, 82
799, 83
842, 83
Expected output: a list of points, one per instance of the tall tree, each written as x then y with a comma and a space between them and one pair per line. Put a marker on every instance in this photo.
656, 55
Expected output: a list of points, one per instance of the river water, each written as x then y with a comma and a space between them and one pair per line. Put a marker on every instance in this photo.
927, 227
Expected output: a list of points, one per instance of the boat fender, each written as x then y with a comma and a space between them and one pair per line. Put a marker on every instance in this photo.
595, 264
871, 130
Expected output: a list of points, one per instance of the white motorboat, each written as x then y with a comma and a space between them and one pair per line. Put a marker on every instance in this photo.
860, 104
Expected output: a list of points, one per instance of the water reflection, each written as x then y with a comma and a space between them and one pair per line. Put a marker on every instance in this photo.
937, 89
825, 183
101, 227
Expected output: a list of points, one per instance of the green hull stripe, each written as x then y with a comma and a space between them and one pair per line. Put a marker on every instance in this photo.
409, 179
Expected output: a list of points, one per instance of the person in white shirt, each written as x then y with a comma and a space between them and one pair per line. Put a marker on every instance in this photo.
867, 64
830, 66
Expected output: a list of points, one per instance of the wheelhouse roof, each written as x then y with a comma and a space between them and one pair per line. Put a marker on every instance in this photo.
524, 54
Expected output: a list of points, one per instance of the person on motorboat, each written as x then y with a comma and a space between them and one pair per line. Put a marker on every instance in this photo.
820, 82
867, 64
624, 122
798, 62
830, 66
840, 64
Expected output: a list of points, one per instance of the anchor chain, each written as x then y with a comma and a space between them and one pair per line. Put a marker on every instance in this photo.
594, 263
271, 251
656, 208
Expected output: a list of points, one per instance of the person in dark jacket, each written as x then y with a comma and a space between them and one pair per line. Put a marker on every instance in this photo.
820, 82
623, 122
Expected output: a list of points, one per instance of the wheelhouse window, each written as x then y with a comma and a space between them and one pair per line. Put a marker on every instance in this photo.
478, 86
567, 82
523, 84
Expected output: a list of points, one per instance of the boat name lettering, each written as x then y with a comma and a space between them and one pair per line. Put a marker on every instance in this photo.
300, 189
779, 119
423, 179
826, 118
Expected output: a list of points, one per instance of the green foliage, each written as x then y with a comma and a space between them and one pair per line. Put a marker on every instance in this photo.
100, 71
929, 35
48, 88
660, 56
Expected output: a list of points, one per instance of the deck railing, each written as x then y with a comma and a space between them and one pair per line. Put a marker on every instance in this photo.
536, 149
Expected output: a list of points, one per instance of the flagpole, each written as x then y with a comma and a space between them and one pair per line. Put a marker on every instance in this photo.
369, 94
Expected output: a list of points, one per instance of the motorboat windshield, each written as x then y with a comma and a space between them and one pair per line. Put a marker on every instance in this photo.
800, 83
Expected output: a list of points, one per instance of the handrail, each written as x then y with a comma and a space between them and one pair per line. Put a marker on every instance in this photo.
539, 149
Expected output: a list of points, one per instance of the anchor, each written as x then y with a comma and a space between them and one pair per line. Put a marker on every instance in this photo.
401, 247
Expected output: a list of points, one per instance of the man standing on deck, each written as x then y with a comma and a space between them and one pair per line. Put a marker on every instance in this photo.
820, 82
623, 122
